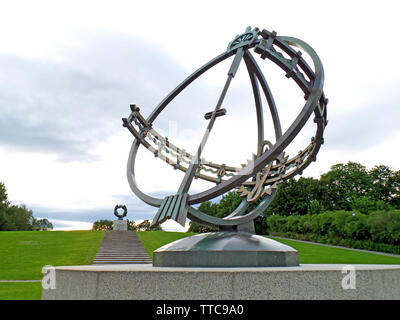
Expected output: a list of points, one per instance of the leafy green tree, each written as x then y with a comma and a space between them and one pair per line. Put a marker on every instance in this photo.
199, 228
356, 227
385, 226
315, 207
395, 196
143, 226
42, 224
385, 184
5, 222
103, 225
366, 205
208, 208
14, 217
381, 189
293, 197
131, 225
342, 183
157, 228
349, 205
228, 204
18, 218
3, 196
260, 225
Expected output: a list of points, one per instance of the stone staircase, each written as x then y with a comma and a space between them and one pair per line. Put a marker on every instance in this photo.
121, 247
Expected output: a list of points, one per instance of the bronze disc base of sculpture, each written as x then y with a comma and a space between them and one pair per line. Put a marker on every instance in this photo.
225, 249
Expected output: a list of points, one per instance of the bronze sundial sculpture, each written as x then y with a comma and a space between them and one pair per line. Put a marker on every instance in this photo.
258, 181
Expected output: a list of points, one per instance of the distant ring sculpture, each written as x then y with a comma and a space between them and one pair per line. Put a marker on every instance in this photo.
258, 180
116, 213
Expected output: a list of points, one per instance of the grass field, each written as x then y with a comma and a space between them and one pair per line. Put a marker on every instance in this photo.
20, 290
23, 254
308, 252
316, 254
152, 240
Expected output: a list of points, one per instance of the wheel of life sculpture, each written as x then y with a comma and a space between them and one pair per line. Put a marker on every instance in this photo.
116, 213
256, 182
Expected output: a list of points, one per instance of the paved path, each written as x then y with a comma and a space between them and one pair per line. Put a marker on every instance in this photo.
331, 245
121, 247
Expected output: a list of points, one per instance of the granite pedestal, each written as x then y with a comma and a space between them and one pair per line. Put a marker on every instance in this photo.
145, 282
225, 249
120, 225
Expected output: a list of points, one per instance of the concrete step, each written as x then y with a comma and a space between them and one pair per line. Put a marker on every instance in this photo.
121, 247
122, 261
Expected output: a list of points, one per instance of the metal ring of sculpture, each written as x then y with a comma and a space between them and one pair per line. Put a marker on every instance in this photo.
120, 216
257, 182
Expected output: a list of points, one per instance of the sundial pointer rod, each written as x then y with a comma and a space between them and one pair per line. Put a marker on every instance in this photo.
175, 207
190, 172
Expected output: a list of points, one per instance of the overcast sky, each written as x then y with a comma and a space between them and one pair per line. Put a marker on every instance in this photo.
70, 69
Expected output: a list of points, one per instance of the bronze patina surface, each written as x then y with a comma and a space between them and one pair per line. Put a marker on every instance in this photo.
258, 180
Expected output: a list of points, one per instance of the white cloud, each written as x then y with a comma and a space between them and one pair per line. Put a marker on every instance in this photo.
170, 225
69, 70
67, 225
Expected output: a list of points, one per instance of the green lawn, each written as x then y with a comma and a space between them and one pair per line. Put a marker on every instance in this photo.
316, 254
24, 253
153, 240
308, 252
20, 290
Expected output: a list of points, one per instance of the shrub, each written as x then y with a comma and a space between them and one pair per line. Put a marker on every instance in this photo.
384, 226
276, 223
315, 207
103, 225
305, 224
292, 224
379, 231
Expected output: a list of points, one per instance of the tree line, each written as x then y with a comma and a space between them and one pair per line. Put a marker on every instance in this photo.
18, 218
105, 224
370, 199
377, 231
345, 187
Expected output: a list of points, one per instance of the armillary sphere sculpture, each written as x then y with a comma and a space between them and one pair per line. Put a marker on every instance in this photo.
257, 182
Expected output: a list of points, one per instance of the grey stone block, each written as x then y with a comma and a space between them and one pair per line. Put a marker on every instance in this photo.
120, 225
163, 285
225, 249
73, 285
145, 282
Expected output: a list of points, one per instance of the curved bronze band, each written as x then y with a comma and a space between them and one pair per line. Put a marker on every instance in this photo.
315, 102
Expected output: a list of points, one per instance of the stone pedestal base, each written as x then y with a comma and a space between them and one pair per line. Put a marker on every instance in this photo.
225, 249
144, 282
120, 225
